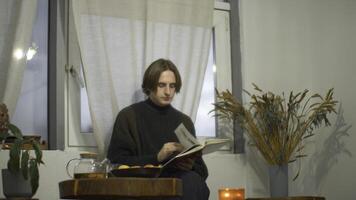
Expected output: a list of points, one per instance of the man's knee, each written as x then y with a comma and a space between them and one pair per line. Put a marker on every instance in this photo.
194, 186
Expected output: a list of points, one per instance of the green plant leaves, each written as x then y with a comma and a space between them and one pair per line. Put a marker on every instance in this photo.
28, 165
38, 152
24, 164
15, 152
15, 131
20, 159
34, 175
4, 135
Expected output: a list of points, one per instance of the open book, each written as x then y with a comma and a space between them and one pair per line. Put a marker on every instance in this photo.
191, 144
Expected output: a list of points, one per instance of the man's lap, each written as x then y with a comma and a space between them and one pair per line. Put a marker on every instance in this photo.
194, 186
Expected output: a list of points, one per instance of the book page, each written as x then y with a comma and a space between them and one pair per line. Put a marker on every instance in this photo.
193, 149
191, 144
212, 145
188, 140
185, 137
185, 153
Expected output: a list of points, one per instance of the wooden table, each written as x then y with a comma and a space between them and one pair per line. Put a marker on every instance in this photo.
289, 198
120, 188
19, 198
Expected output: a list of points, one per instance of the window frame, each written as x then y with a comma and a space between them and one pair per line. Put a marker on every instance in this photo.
74, 139
222, 62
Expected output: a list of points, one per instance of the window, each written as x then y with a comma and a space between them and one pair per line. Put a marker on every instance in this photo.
217, 75
31, 110
78, 122
205, 124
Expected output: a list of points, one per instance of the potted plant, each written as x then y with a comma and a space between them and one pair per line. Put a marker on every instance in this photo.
22, 166
277, 126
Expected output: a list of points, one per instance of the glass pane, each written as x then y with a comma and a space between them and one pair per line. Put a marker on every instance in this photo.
85, 119
205, 122
31, 110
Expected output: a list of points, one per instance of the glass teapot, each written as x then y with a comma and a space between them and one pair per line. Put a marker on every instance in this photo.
87, 166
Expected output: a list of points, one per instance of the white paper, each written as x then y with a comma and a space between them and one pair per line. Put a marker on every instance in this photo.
185, 137
191, 144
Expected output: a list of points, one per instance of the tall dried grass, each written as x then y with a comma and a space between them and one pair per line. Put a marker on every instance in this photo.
277, 125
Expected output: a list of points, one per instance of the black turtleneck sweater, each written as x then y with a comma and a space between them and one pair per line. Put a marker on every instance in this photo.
140, 130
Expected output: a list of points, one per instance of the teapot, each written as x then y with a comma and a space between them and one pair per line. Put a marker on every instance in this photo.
87, 166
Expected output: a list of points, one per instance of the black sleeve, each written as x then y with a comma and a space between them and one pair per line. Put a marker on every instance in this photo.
124, 143
199, 164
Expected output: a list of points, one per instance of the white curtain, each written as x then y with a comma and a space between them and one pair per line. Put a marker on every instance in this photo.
16, 22
118, 39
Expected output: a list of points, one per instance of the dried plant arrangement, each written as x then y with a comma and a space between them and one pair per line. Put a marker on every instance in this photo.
276, 125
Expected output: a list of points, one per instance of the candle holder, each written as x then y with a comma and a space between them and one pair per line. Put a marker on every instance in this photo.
231, 194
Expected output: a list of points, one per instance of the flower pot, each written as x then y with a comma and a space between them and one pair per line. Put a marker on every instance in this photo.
14, 185
278, 180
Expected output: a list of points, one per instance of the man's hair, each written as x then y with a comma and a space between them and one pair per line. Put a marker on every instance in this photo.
153, 72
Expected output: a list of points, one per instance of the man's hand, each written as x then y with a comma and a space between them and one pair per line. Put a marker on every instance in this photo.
168, 149
186, 163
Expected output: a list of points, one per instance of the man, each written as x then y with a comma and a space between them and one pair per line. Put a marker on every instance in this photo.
143, 133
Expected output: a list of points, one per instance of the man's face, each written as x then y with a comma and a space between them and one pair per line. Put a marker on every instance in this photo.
166, 89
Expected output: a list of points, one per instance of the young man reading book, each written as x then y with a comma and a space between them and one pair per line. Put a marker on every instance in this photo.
144, 133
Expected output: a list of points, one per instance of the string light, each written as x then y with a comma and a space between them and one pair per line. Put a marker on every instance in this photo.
31, 52
18, 54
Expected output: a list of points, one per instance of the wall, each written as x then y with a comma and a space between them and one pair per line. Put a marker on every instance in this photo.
297, 45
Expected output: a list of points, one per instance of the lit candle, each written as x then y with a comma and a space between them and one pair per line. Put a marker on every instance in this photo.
232, 194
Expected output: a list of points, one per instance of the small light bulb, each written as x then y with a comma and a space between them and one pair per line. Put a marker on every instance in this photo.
18, 54
214, 68
30, 53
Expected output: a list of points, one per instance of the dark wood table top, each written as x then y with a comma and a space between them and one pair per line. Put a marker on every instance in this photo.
120, 188
289, 198
18, 198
